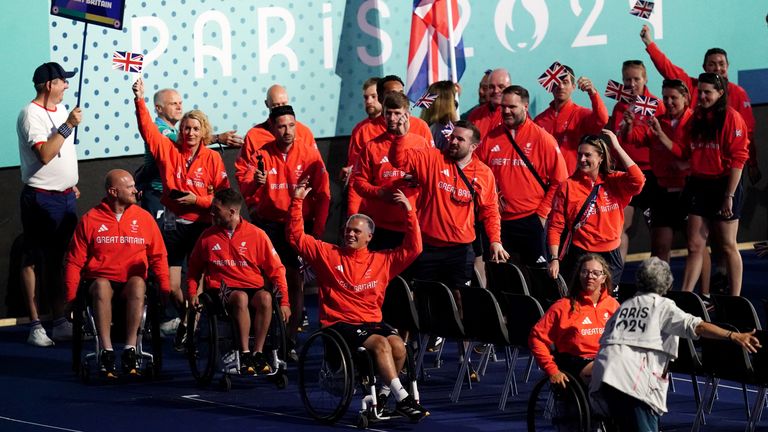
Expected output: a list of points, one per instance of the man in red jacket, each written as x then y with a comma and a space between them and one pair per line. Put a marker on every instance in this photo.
488, 116
353, 281
114, 245
235, 253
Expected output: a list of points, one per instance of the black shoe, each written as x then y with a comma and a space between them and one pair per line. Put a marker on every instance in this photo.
408, 407
247, 364
381, 403
129, 363
261, 365
107, 364
180, 340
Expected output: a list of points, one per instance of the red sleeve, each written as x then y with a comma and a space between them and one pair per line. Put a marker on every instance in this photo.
540, 341
321, 199
666, 68
244, 169
220, 180
736, 143
158, 256
159, 145
355, 147
599, 115
556, 221
307, 246
558, 172
195, 266
75, 260
631, 183
410, 249
489, 210
361, 182
273, 267
406, 159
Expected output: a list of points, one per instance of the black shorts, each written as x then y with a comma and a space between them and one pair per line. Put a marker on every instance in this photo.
355, 335
481, 244
451, 265
384, 239
276, 233
180, 241
668, 209
706, 197
571, 363
644, 199
525, 236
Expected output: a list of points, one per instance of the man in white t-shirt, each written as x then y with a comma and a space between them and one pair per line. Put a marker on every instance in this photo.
48, 213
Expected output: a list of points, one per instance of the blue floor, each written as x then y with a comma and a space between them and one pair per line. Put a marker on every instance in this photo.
38, 392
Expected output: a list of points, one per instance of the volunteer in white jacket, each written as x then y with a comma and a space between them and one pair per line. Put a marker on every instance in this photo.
629, 381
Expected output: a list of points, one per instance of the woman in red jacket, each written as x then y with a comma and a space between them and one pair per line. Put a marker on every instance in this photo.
717, 146
573, 325
588, 208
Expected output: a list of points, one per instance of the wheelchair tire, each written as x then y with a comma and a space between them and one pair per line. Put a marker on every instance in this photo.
276, 338
326, 376
202, 346
553, 408
153, 331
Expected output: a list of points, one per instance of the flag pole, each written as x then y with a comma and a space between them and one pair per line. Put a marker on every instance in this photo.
452, 48
80, 77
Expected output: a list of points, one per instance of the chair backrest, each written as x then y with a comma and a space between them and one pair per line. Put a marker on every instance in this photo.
689, 302
523, 312
737, 311
438, 313
505, 277
727, 360
399, 309
545, 289
482, 317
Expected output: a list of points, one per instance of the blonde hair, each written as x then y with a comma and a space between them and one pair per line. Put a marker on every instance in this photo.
443, 109
205, 125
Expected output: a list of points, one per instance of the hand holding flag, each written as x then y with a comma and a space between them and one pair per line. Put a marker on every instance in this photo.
642, 9
645, 105
127, 61
617, 91
553, 76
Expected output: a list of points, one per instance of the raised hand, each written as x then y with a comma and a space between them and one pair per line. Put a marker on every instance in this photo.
138, 88
399, 197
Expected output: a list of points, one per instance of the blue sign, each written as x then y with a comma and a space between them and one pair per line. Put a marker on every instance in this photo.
107, 13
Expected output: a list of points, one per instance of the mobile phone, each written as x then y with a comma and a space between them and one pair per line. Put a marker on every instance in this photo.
176, 194
260, 163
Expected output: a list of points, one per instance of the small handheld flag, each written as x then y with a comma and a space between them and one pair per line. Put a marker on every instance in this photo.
617, 91
646, 105
447, 131
553, 76
642, 9
127, 61
425, 101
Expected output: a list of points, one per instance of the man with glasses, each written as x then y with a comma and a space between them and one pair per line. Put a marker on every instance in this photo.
488, 116
49, 173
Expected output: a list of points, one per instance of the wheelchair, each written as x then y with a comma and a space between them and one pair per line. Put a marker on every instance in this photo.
84, 329
328, 371
554, 408
212, 344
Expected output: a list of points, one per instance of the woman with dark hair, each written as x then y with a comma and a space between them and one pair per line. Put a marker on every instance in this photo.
716, 144
573, 325
629, 375
588, 208
442, 111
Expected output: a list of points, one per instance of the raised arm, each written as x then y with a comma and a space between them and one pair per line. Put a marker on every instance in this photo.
157, 142
307, 246
411, 247
599, 115
666, 68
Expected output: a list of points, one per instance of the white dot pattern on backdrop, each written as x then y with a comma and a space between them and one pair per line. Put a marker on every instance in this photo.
327, 100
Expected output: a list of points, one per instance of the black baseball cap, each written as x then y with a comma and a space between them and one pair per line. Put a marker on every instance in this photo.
49, 72
280, 111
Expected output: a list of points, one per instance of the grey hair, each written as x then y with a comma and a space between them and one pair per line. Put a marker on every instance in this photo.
368, 220
654, 276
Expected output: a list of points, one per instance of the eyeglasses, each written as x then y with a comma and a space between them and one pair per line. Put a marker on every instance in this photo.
595, 273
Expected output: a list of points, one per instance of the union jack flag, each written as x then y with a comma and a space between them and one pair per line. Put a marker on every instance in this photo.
553, 76
617, 91
646, 105
642, 9
436, 47
127, 61
425, 101
447, 131
224, 293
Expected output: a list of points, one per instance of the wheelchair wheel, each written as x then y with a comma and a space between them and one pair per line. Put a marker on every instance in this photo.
326, 376
77, 335
276, 338
152, 331
202, 346
554, 408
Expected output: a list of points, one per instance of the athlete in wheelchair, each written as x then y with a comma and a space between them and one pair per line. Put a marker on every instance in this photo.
352, 283
114, 246
572, 326
231, 255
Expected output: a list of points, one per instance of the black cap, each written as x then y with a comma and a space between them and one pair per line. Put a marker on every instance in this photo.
49, 72
280, 111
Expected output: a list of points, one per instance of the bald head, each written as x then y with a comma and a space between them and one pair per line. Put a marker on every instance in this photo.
121, 189
498, 80
115, 176
276, 96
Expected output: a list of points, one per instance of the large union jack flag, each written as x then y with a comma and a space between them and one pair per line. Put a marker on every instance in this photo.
646, 105
642, 9
617, 91
127, 61
553, 76
429, 53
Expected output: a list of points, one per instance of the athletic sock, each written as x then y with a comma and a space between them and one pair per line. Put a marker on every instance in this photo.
35, 324
398, 390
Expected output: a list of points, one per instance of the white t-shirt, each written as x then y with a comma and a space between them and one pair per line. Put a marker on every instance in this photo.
36, 124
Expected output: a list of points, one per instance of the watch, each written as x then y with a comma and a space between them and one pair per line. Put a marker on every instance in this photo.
64, 130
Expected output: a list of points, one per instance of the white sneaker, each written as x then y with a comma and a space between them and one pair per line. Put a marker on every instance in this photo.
168, 328
39, 338
62, 332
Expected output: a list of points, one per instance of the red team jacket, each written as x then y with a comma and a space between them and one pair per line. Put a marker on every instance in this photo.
602, 230
571, 123
284, 171
521, 193
633, 142
715, 159
445, 208
374, 173
204, 175
664, 164
574, 332
485, 118
103, 247
238, 261
256, 138
352, 282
